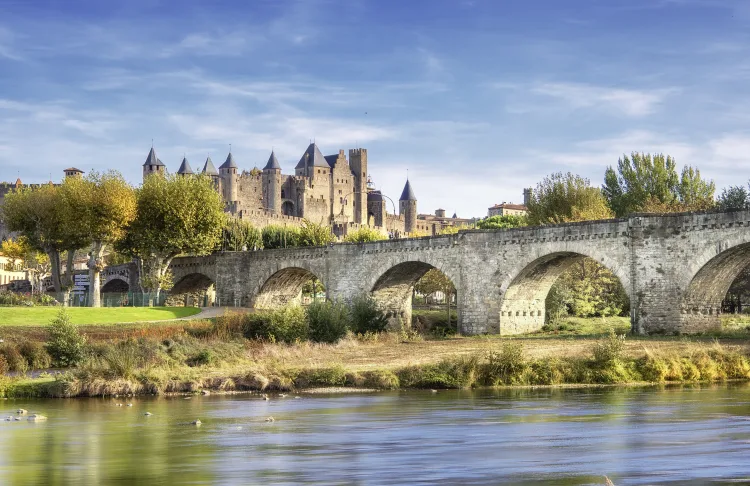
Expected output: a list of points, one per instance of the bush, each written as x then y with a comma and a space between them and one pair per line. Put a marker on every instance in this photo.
35, 355
366, 316
203, 358
3, 365
66, 344
13, 358
506, 366
364, 235
328, 321
610, 349
280, 237
287, 324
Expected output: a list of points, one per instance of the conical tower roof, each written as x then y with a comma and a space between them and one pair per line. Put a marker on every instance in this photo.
152, 159
208, 168
185, 167
273, 162
229, 163
408, 193
312, 157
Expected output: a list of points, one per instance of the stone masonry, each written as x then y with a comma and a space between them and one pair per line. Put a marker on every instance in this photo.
675, 268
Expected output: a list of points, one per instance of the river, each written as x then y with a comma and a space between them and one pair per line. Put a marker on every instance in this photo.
679, 435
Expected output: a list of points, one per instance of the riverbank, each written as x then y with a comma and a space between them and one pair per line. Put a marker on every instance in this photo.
199, 355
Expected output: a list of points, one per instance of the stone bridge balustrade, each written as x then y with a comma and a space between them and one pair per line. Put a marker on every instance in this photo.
675, 268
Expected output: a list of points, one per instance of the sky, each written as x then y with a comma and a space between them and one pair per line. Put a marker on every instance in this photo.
477, 99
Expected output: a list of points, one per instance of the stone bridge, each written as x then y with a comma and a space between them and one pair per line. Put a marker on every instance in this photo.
675, 268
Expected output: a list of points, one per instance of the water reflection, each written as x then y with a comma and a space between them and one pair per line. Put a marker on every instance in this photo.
679, 435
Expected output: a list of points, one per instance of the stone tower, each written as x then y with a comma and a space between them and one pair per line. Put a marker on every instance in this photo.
152, 165
407, 207
185, 168
272, 185
228, 175
358, 165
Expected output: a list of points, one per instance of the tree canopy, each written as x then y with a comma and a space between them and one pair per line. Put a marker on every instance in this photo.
502, 222
733, 197
643, 182
563, 198
175, 215
364, 235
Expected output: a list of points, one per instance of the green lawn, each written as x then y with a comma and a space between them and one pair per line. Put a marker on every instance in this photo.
40, 316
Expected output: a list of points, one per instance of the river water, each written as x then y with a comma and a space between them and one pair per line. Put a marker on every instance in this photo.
681, 435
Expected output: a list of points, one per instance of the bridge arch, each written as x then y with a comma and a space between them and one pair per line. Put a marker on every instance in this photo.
394, 288
710, 276
192, 290
525, 288
115, 284
282, 287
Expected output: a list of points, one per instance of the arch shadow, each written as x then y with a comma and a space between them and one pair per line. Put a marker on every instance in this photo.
115, 285
192, 290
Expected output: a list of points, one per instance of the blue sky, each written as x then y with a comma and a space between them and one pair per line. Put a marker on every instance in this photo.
477, 98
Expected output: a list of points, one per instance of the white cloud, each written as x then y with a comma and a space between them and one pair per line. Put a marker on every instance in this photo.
628, 102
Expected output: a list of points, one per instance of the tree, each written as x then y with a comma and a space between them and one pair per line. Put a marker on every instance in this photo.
45, 219
644, 182
562, 198
364, 234
241, 235
174, 215
105, 205
502, 222
34, 263
314, 234
733, 197
436, 281
280, 237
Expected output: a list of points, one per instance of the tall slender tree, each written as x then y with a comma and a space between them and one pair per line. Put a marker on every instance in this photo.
562, 198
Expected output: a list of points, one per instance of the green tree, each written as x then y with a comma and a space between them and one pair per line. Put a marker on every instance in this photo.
241, 235
280, 237
105, 205
364, 235
733, 197
436, 281
562, 198
502, 222
587, 289
174, 216
643, 182
314, 234
41, 215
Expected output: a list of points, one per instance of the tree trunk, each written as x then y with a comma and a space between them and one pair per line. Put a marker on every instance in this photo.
95, 264
67, 282
54, 260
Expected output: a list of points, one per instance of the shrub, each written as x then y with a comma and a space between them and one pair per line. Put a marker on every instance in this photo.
203, 358
280, 237
505, 366
3, 365
13, 358
381, 379
609, 349
366, 316
66, 344
35, 355
287, 324
364, 235
328, 321
448, 373
314, 234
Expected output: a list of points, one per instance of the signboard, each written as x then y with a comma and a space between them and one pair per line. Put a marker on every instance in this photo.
80, 283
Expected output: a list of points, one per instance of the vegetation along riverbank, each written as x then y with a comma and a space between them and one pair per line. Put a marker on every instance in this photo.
333, 345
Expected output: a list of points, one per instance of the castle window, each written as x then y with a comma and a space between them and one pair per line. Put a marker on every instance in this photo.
341, 199
282, 194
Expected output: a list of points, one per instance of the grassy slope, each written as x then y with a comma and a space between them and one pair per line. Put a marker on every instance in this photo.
39, 316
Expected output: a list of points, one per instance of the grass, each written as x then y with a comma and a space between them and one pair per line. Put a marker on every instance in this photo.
41, 316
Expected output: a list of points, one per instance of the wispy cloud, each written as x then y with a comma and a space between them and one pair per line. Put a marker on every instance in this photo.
628, 102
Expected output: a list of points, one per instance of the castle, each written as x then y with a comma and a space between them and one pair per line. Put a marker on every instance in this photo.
325, 189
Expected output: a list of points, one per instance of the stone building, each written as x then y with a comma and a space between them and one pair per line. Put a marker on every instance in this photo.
507, 209
334, 190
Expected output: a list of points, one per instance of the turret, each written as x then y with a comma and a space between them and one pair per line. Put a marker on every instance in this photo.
407, 207
272, 185
185, 168
153, 165
228, 174
358, 164
73, 172
210, 170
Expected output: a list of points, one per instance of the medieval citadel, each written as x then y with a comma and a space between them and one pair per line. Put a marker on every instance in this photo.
327, 189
